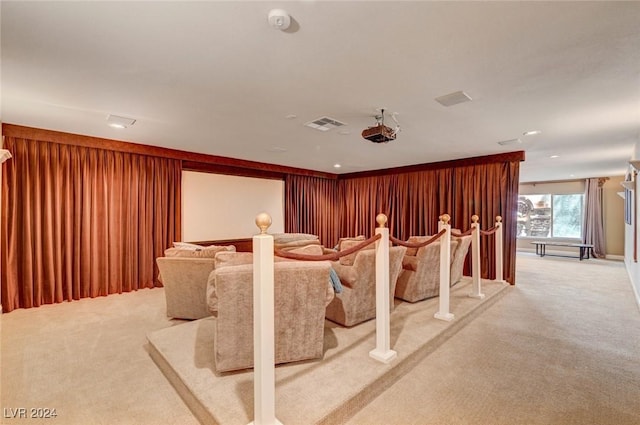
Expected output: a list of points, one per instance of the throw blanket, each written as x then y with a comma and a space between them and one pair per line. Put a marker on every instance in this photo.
335, 281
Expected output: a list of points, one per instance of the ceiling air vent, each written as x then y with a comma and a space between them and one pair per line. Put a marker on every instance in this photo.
324, 124
453, 98
510, 142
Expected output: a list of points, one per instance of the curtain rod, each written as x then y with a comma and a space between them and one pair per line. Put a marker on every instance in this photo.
564, 181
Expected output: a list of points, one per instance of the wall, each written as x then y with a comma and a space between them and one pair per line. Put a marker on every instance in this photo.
631, 236
613, 212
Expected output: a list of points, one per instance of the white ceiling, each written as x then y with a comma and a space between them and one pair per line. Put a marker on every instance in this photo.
214, 77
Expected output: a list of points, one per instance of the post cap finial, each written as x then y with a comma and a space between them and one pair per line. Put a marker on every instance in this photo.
445, 218
499, 218
474, 218
263, 221
381, 219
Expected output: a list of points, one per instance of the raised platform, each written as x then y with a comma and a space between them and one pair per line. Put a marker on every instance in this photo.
323, 391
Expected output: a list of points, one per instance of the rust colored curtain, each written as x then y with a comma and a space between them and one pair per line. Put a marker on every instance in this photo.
311, 206
488, 190
83, 222
412, 202
362, 199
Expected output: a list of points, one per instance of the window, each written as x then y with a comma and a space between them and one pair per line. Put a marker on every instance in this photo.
550, 216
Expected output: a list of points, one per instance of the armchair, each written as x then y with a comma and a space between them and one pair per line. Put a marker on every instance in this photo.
302, 290
357, 301
420, 277
458, 257
185, 284
183, 273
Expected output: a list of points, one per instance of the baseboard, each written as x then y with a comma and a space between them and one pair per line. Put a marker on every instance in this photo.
614, 257
633, 286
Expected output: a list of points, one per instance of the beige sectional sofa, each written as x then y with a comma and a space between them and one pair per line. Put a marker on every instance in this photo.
184, 271
302, 291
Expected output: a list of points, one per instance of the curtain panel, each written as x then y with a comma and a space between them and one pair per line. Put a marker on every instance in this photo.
311, 206
83, 222
413, 202
593, 221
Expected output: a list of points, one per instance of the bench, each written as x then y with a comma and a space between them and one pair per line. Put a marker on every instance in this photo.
586, 249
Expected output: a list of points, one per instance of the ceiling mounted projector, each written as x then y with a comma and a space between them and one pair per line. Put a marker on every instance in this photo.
380, 133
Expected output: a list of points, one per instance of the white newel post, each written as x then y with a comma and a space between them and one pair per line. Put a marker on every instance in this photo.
445, 269
264, 403
383, 351
499, 250
476, 271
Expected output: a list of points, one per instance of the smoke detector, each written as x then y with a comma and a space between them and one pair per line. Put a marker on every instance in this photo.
279, 19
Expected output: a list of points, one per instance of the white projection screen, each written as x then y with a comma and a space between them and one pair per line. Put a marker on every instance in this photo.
219, 207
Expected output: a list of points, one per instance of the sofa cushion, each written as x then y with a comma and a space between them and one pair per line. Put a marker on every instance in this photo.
415, 239
226, 259
187, 245
292, 245
284, 238
202, 252
349, 259
356, 238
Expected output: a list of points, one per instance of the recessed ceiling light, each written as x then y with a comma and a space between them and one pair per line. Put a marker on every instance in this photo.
337, 165
119, 122
291, 117
531, 132
344, 132
554, 156
277, 149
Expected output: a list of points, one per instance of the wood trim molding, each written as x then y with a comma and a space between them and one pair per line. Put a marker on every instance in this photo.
242, 245
240, 167
463, 162
193, 161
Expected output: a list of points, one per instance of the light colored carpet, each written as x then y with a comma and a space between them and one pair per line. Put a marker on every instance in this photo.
324, 391
88, 360
562, 347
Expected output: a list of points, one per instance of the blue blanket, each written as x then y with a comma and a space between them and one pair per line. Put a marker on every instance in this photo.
335, 280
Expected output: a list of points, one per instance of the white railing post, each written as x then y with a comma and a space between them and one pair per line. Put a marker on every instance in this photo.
264, 374
445, 269
383, 351
476, 271
499, 250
